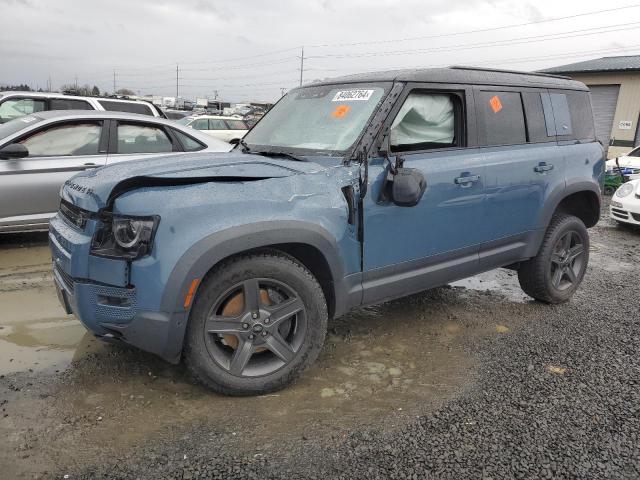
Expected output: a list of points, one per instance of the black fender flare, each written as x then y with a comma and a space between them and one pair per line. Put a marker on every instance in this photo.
559, 195
207, 252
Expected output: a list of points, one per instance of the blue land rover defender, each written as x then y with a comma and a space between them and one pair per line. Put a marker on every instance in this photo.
348, 192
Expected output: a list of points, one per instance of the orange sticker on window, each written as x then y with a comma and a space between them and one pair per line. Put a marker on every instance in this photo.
496, 104
341, 111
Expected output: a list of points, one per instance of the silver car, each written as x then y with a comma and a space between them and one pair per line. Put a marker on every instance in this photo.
39, 152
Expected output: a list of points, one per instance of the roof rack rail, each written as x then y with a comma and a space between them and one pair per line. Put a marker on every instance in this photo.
485, 69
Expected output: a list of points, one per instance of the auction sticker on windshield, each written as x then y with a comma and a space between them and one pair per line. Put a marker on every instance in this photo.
352, 95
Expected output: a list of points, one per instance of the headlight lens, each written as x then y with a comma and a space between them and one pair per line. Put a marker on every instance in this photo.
624, 190
124, 237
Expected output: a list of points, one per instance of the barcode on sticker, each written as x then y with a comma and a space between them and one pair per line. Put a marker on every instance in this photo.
352, 95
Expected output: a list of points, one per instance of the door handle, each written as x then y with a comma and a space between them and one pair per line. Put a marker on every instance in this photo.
542, 167
467, 180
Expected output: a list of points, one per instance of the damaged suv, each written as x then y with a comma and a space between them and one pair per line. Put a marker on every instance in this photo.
349, 192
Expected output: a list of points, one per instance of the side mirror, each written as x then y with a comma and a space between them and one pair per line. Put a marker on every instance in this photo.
408, 187
13, 150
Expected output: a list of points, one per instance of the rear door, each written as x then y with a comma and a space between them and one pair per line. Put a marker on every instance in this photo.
29, 187
524, 166
218, 128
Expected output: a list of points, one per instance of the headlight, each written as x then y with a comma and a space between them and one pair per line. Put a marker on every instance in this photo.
624, 190
124, 237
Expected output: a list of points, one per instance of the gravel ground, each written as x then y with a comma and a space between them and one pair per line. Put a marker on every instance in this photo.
547, 392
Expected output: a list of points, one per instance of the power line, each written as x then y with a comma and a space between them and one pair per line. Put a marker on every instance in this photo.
490, 29
496, 43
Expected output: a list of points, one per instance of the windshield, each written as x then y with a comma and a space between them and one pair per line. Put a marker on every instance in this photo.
13, 126
327, 118
634, 153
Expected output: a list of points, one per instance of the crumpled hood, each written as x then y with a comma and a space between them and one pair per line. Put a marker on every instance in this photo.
95, 189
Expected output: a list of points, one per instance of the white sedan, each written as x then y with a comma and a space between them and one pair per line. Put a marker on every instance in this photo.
625, 203
228, 129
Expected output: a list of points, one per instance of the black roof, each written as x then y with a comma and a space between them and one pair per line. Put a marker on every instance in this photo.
463, 75
627, 63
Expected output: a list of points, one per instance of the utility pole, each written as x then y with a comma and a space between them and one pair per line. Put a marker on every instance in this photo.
215, 94
114, 81
301, 65
76, 83
177, 76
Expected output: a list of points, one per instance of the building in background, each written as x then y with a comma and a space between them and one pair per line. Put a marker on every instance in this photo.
615, 95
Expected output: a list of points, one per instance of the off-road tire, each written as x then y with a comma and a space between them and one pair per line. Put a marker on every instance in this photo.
535, 275
272, 265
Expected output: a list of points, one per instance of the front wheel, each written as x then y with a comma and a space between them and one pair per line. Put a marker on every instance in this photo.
555, 273
258, 321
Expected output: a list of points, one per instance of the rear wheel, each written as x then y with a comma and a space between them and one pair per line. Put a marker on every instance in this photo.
258, 321
556, 272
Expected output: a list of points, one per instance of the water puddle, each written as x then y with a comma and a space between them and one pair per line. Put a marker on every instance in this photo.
500, 282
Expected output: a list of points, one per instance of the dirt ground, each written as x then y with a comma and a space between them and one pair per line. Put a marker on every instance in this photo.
71, 404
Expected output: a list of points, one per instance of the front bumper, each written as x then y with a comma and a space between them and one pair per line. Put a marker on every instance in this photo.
626, 209
98, 292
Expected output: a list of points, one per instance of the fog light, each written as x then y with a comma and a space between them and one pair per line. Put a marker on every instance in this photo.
616, 204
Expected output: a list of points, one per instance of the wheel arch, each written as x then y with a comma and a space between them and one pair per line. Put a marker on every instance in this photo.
310, 244
581, 199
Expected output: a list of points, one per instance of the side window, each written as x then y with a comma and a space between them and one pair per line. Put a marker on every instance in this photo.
19, 107
425, 121
561, 113
69, 104
503, 118
581, 115
128, 107
135, 138
200, 124
236, 125
217, 124
536, 123
64, 140
189, 144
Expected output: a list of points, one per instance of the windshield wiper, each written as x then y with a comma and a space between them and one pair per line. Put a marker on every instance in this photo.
245, 147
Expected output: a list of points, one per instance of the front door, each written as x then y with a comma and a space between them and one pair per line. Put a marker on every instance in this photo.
409, 249
29, 187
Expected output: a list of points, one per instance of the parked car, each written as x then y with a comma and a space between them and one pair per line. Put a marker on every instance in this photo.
229, 129
625, 203
629, 162
177, 114
349, 192
39, 152
18, 104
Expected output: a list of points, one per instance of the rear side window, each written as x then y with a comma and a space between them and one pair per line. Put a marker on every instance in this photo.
69, 104
236, 125
189, 144
560, 106
65, 140
581, 115
502, 118
536, 122
128, 107
425, 121
134, 138
19, 107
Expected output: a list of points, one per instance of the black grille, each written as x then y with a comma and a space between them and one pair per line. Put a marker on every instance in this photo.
65, 277
619, 213
73, 215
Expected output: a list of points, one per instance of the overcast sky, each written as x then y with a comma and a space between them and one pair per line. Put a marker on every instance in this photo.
250, 49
